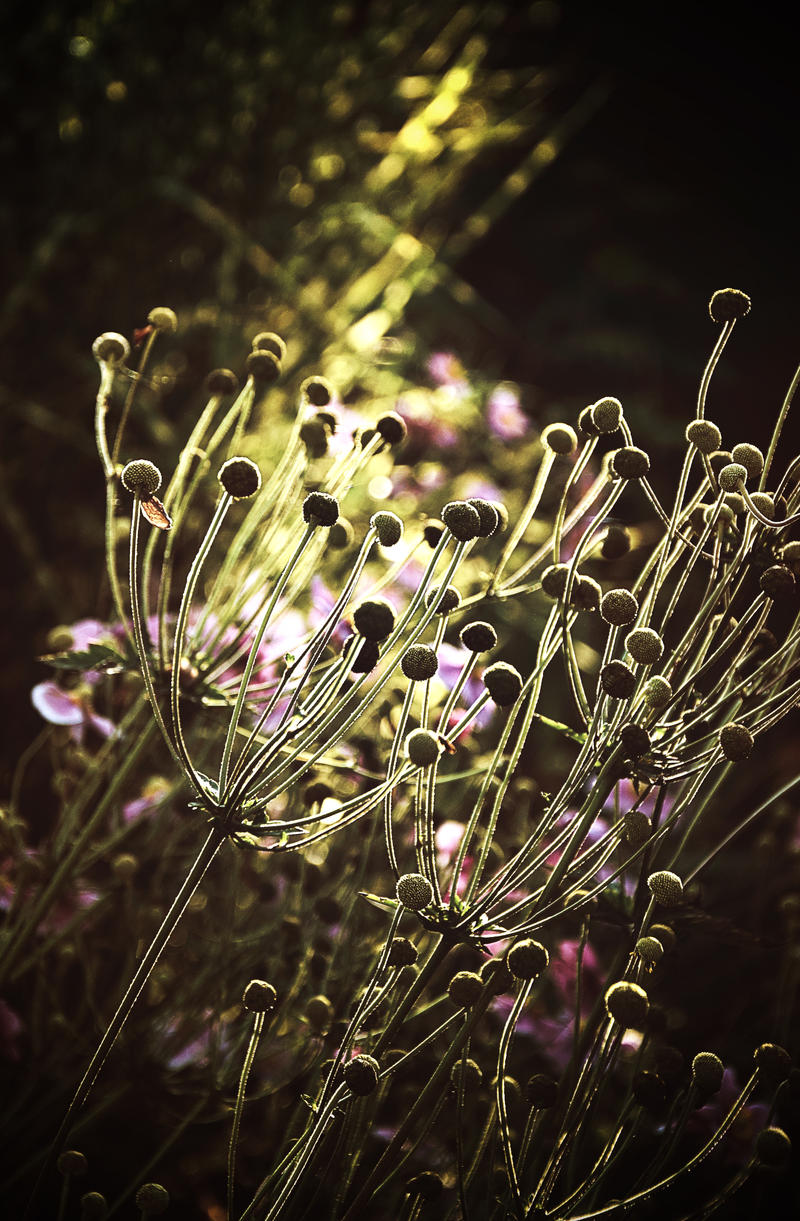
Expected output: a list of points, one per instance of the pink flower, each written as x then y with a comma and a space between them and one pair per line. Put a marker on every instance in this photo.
447, 370
72, 708
505, 417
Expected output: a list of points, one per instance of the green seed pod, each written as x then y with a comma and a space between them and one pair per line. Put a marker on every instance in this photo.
320, 509
163, 319
657, 692
665, 935
402, 953
152, 1199
635, 740
462, 520
704, 436
72, 1162
637, 828
374, 619
736, 741
419, 663
627, 1004
319, 1012
560, 438
141, 477
554, 580
472, 1074
777, 582
503, 682
731, 476
773, 1147
773, 1062
392, 428
607, 414
422, 747
94, 1206
361, 1075
263, 366
240, 478
707, 1072
527, 959
586, 594
496, 970
268, 341
427, 1185
644, 645
464, 989
111, 348
222, 382
586, 424
432, 531
618, 680
619, 607
617, 542
630, 462
650, 950
259, 996
765, 504
665, 887
488, 513
727, 304
750, 457
317, 390
414, 891
541, 1091
388, 526
450, 600
478, 637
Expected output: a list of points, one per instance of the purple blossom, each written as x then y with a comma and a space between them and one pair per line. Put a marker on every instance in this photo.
72, 708
505, 417
446, 369
152, 796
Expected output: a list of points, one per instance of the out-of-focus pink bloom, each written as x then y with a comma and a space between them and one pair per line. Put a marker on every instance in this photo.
448, 837
322, 603
73, 708
739, 1141
426, 431
451, 660
10, 1032
152, 795
505, 417
446, 369
563, 973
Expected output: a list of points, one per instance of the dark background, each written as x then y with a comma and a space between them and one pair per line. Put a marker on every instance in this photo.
682, 181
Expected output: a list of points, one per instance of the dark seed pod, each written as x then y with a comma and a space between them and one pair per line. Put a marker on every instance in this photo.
472, 1074
777, 582
414, 891
478, 637
637, 828
750, 457
111, 348
560, 438
341, 535
496, 970
773, 1062
736, 741
607, 414
650, 1092
489, 515
317, 390
432, 531
665, 887
392, 428
315, 794
657, 692
627, 1004
707, 1072
586, 424
704, 436
320, 509
630, 462
162, 318
541, 1092
765, 503
650, 950
773, 1147
422, 747
727, 304
448, 601
586, 593
240, 478
618, 680
427, 1185
141, 477
361, 1075
635, 740
462, 520
554, 580
719, 459
503, 682
619, 607
259, 996
222, 381
616, 543
319, 1012
419, 662
665, 935
263, 366
314, 436
731, 476
644, 645
464, 989
367, 657
72, 1162
527, 959
268, 341
402, 953
388, 526
94, 1206
374, 619
152, 1199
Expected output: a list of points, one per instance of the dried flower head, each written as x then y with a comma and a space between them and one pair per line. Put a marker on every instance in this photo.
616, 543
152, 1199
240, 478
644, 646
489, 513
419, 663
473, 1074
541, 1091
650, 950
94, 1206
586, 593
704, 436
141, 477
402, 953
665, 935
222, 381
478, 637
618, 680
731, 476
773, 1062
657, 692
665, 887
163, 319
750, 457
427, 1185
554, 580
464, 989
259, 996
635, 740
361, 1075
263, 366
736, 741
342, 534
319, 1012
630, 462
388, 526
72, 1162
560, 438
111, 348
607, 414
627, 1004
414, 891
503, 682
773, 1148
392, 428
320, 509
707, 1071
777, 582
462, 520
637, 828
527, 958
727, 304
268, 341
374, 619
317, 390
446, 601
619, 607
432, 531
586, 424
422, 747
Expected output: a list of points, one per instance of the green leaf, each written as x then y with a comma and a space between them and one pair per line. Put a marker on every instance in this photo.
383, 904
561, 728
96, 657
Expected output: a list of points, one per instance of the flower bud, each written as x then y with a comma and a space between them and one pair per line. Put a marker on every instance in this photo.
750, 457
665, 887
320, 509
367, 657
586, 423
773, 1062
541, 1091
141, 477
402, 953
478, 637
240, 478
152, 1199
388, 526
619, 607
635, 740
665, 935
503, 682
736, 741
777, 582
630, 462
314, 436
259, 996
72, 1162
317, 390
650, 950
361, 1075
445, 601
489, 513
496, 970
374, 619
341, 535
554, 580
111, 348
419, 663
527, 958
644, 646
707, 1072
163, 319
560, 438
414, 891
462, 520
773, 1147
657, 692
607, 414
464, 989
221, 382
731, 476
704, 436
263, 366
618, 680
392, 428
727, 304
319, 1012
627, 1004
422, 747
268, 341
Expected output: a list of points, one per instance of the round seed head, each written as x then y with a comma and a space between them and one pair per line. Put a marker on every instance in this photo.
72, 1162
163, 319
560, 438
111, 348
541, 1091
773, 1147
750, 457
607, 414
630, 462
320, 509
259, 996
707, 1071
392, 428
777, 581
446, 601
472, 1074
367, 657
657, 692
618, 680
319, 1012
263, 366
527, 959
644, 646
464, 989
314, 436
414, 891
736, 741
427, 1185
489, 514
586, 594
617, 542
727, 304
141, 477
240, 478
419, 663
790, 554
341, 535
462, 520
495, 970
665, 887
152, 1199
731, 476
402, 953
222, 381
554, 580
765, 503
94, 1206
432, 531
773, 1062
503, 682
665, 935
361, 1075
735, 503
619, 607
635, 740
637, 828
650, 950
627, 1004
422, 747
317, 390
478, 637
650, 1092
704, 436
374, 619
586, 423
388, 526
268, 341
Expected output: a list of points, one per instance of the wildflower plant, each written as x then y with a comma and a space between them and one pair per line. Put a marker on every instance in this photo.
414, 924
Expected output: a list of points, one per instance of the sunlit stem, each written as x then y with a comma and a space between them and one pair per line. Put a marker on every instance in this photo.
524, 520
